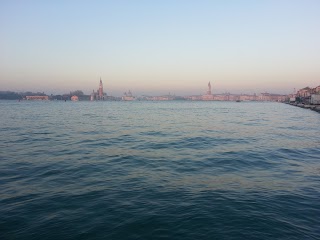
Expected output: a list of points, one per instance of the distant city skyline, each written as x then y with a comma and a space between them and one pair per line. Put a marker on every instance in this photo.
159, 47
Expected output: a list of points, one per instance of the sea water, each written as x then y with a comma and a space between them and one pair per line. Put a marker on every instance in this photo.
158, 170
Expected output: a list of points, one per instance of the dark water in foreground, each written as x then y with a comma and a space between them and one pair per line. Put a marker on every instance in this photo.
159, 170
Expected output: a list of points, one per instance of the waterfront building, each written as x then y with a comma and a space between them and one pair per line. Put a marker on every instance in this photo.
128, 96
219, 97
208, 96
315, 99
209, 89
37, 97
306, 95
272, 97
291, 97
74, 98
238, 97
100, 91
247, 97
317, 90
99, 94
92, 96
161, 98
194, 97
304, 92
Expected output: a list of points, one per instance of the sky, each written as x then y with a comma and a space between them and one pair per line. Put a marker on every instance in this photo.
157, 47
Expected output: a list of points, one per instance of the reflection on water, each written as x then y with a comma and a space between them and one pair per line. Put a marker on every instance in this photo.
142, 170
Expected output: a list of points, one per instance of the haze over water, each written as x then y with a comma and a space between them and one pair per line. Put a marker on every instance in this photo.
158, 170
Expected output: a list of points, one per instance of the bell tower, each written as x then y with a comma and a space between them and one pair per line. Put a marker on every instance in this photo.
209, 89
100, 92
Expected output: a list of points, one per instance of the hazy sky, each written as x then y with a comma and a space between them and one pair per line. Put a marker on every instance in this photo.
159, 46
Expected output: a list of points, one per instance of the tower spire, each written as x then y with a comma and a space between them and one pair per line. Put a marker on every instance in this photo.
209, 88
100, 91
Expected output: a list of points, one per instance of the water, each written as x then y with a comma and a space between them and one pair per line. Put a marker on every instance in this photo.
159, 170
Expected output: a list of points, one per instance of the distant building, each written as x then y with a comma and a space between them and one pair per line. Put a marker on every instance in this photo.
317, 90
160, 98
208, 96
99, 94
306, 95
315, 99
128, 96
291, 97
209, 89
92, 96
100, 91
247, 97
236, 97
37, 97
194, 98
74, 98
304, 92
220, 97
272, 97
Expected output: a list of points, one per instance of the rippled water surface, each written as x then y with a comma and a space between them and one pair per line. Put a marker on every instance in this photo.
159, 170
